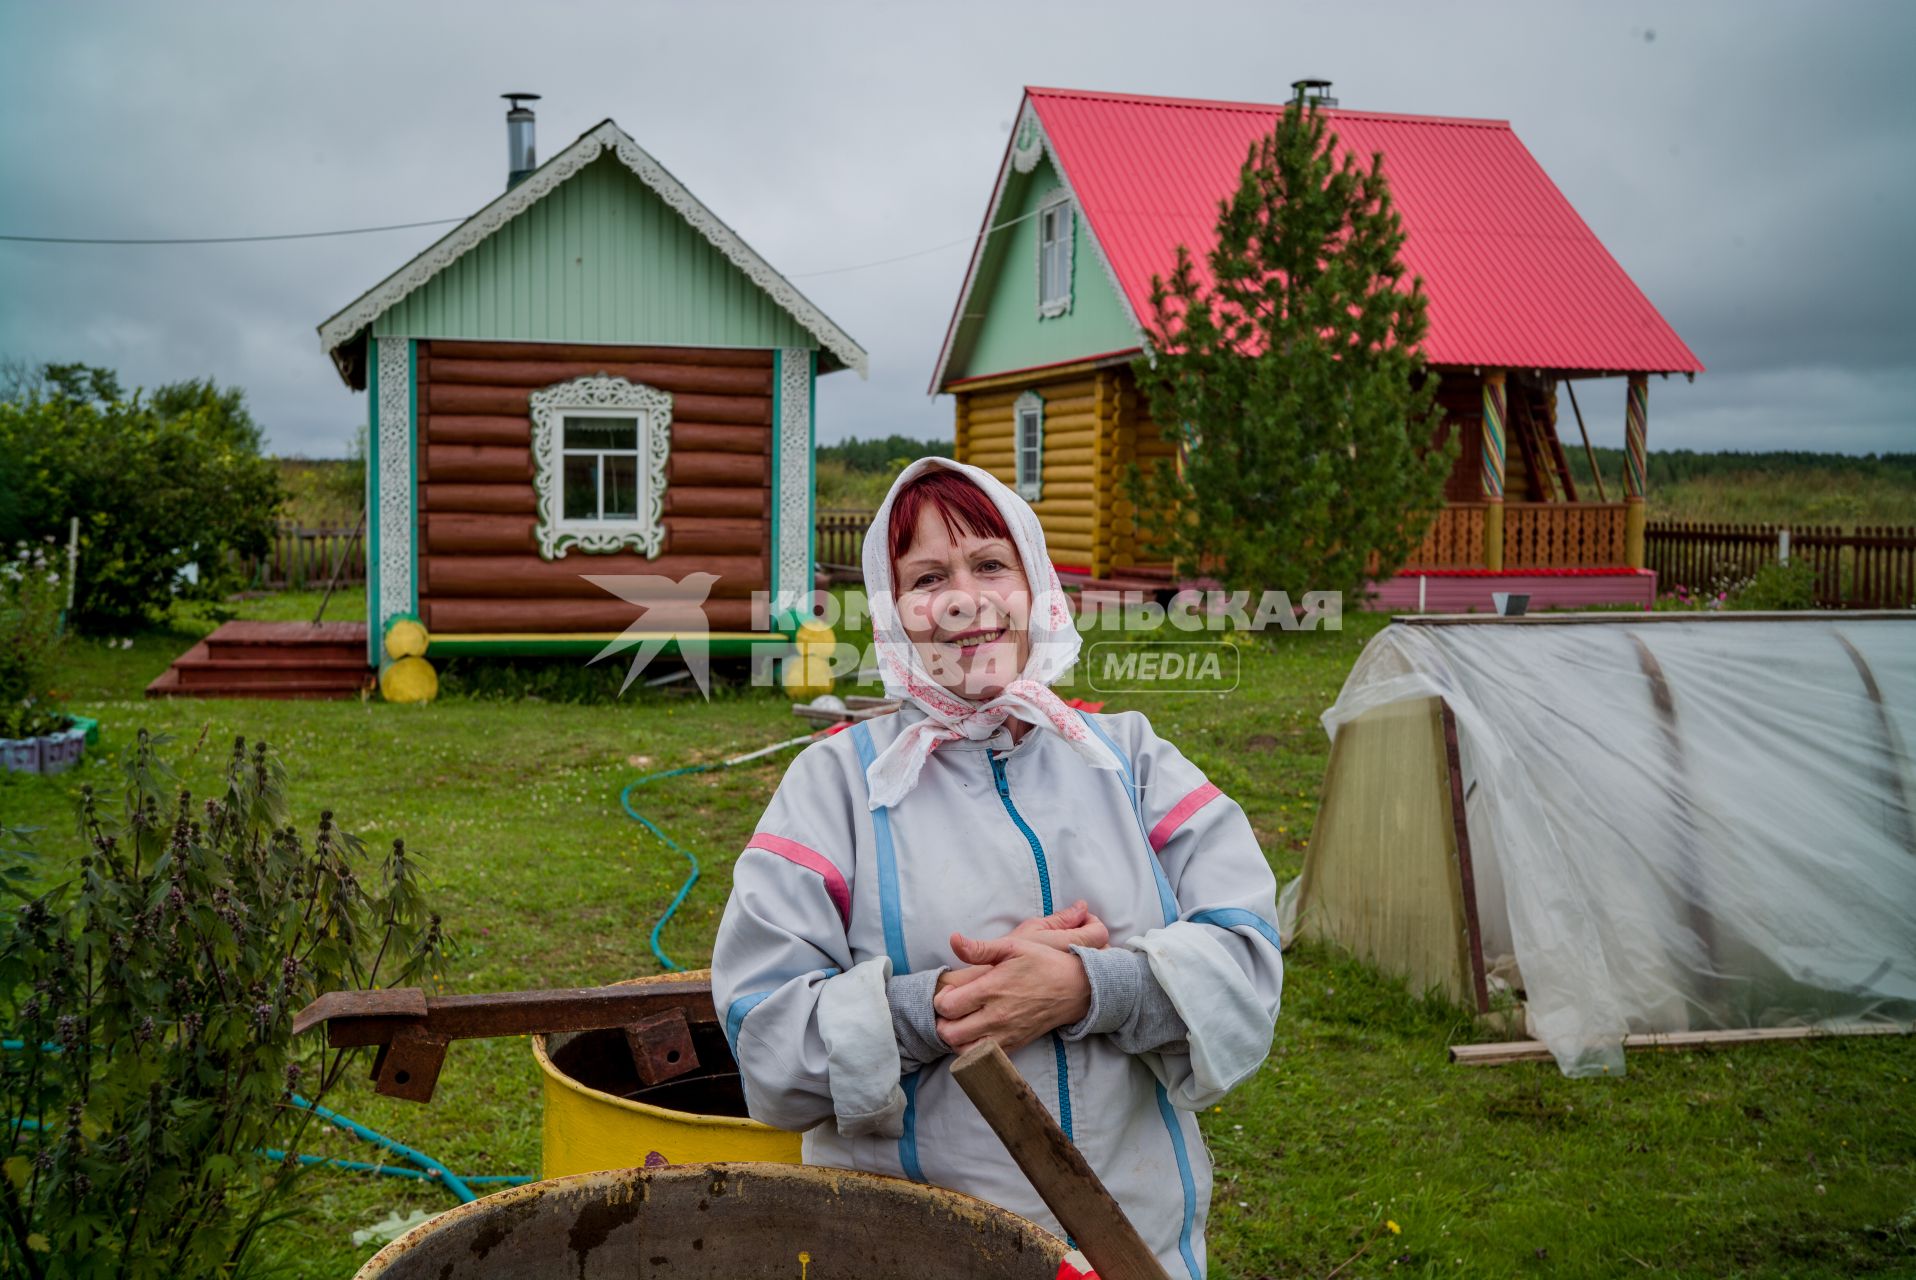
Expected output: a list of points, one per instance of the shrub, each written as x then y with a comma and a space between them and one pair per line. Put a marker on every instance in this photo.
156, 492
31, 593
1778, 586
152, 995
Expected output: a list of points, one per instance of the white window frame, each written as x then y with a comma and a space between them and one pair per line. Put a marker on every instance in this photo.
1029, 477
1052, 305
600, 396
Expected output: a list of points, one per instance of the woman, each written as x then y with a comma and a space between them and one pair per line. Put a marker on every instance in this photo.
991, 862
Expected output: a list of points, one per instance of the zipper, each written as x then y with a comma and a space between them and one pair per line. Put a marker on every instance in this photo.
1044, 890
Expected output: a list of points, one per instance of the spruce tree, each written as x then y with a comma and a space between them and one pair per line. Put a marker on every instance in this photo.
1288, 376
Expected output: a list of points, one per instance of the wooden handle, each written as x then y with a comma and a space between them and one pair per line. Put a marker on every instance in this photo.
1056, 1168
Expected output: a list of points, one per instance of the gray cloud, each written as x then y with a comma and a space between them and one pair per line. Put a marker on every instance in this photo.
1746, 163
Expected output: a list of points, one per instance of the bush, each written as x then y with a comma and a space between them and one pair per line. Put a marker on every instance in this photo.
31, 593
152, 995
166, 501
1778, 586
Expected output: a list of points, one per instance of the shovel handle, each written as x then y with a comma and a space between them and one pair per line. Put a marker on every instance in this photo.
1055, 1167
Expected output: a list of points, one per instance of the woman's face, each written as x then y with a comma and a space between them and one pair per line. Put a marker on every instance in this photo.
966, 606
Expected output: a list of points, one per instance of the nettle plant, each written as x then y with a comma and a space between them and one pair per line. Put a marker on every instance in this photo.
148, 1004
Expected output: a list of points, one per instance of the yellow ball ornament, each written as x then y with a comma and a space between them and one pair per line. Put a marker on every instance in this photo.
409, 680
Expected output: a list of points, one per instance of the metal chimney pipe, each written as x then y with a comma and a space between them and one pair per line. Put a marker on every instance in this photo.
520, 157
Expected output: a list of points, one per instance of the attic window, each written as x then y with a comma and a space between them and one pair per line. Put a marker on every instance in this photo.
599, 448
1054, 254
1028, 455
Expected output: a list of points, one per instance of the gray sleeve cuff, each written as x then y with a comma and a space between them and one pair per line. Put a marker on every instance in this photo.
1127, 1003
913, 1020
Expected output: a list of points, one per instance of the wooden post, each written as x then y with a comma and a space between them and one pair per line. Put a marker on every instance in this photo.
1058, 1170
1635, 417
1493, 469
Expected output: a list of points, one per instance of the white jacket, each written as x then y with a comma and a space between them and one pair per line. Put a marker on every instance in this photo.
831, 899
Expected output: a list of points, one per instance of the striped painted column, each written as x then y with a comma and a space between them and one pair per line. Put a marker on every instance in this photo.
1493, 469
1635, 421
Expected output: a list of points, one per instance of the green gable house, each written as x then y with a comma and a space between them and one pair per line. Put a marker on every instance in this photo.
592, 377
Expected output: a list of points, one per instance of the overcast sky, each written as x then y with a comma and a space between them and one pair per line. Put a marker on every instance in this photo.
1751, 165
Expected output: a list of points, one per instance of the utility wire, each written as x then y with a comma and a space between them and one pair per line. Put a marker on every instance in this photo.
440, 222
297, 235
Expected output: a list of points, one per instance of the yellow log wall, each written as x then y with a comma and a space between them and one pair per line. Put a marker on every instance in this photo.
1095, 427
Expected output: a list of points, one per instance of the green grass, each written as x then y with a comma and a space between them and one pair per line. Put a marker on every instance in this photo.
1783, 1160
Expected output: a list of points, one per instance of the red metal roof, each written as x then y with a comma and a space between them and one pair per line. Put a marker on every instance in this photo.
1515, 277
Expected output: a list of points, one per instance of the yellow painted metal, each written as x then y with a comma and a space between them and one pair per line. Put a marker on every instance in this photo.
587, 1130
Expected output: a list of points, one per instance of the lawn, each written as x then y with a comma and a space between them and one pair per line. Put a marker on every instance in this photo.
1786, 1160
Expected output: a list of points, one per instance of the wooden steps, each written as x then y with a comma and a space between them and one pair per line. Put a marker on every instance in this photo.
271, 660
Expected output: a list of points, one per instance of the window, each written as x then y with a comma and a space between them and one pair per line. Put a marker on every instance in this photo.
1054, 255
599, 448
1028, 424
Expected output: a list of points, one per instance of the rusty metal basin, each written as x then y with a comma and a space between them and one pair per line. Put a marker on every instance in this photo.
722, 1221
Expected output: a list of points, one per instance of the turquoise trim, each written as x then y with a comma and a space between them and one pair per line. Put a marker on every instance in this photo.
1238, 918
887, 861
735, 1017
373, 635
1171, 1125
894, 926
412, 467
1167, 901
1044, 892
908, 1141
778, 422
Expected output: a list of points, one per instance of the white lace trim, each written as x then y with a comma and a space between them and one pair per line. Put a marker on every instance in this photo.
792, 557
1027, 119
341, 328
653, 408
396, 468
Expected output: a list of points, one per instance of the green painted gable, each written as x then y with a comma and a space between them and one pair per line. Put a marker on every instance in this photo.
1002, 330
599, 259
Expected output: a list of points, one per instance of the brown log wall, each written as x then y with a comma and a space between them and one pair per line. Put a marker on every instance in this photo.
479, 565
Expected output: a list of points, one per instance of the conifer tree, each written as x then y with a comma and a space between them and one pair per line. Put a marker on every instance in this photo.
1289, 378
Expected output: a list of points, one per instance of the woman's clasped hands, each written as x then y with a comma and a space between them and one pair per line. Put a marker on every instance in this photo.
1018, 987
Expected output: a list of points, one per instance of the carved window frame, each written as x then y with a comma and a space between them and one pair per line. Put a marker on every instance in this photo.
1058, 201
602, 396
1029, 479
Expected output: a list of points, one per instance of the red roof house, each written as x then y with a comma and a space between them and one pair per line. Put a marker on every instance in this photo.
1093, 196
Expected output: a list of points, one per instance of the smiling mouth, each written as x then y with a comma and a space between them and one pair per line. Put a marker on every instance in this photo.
972, 639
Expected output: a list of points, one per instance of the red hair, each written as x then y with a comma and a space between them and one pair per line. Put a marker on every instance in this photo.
965, 507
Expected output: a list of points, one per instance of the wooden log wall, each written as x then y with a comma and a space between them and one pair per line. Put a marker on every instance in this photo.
1094, 427
479, 566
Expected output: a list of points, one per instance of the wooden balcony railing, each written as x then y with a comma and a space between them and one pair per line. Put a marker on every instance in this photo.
1537, 535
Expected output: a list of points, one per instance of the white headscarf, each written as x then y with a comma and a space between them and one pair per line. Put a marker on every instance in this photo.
952, 717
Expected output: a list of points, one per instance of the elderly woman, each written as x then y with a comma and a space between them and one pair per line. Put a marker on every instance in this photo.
989, 862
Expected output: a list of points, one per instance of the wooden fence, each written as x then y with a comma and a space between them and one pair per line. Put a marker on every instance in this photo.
302, 557
1873, 567
841, 536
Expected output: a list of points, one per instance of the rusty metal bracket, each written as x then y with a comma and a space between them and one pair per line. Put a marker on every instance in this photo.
662, 1047
413, 1030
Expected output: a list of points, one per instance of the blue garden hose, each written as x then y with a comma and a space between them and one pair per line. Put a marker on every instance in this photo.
625, 802
429, 1170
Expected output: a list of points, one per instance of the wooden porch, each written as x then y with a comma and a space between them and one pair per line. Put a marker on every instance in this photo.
1537, 535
